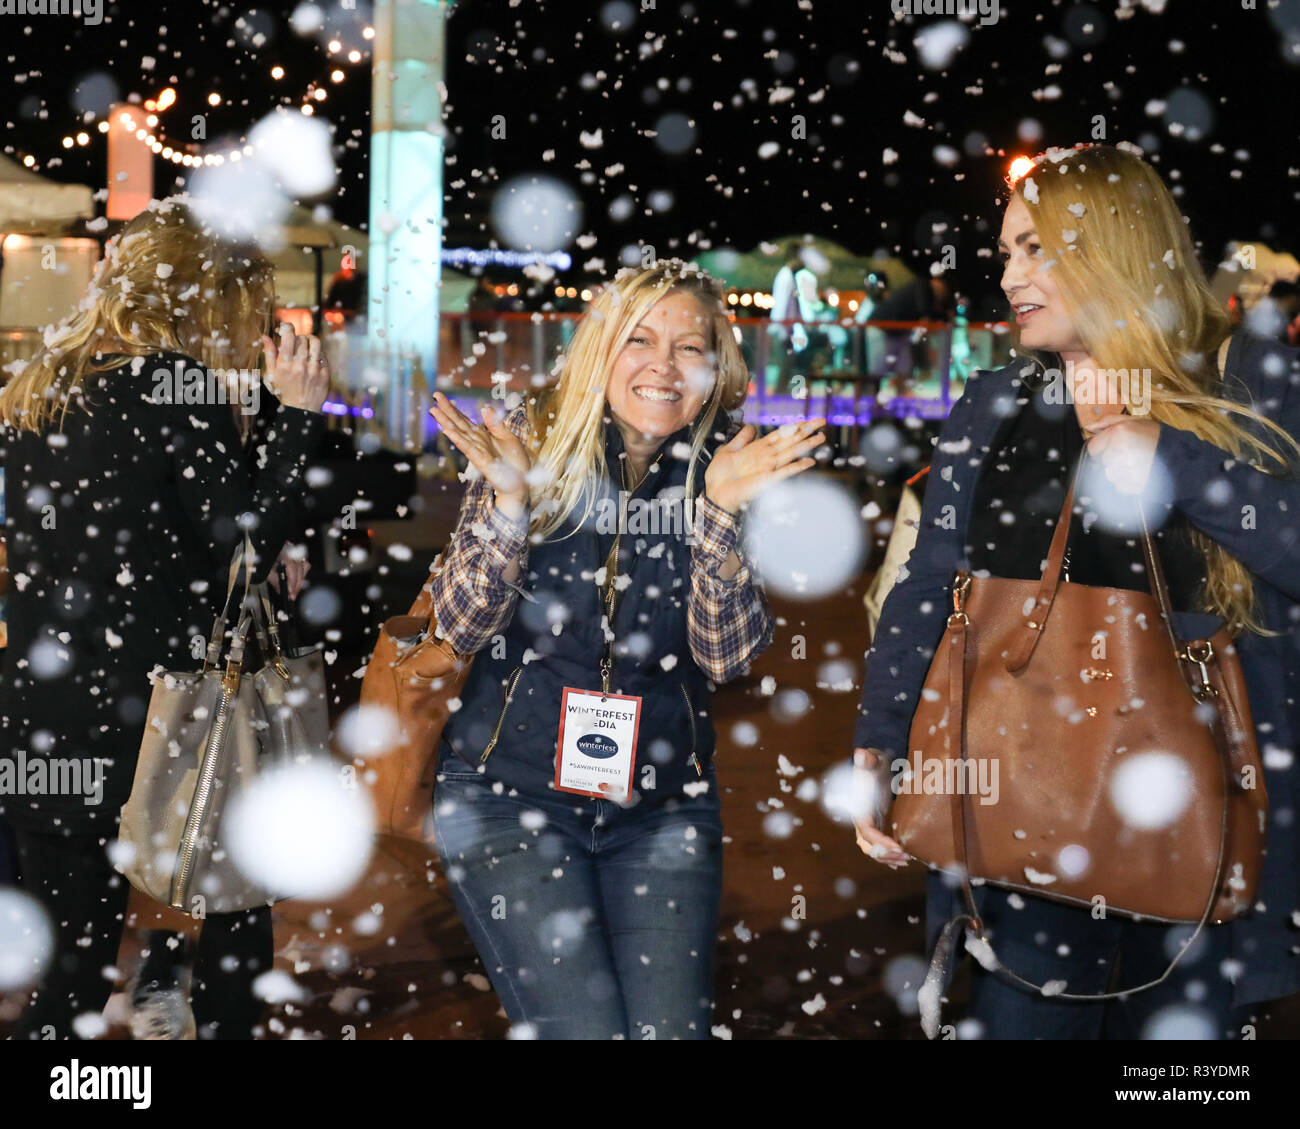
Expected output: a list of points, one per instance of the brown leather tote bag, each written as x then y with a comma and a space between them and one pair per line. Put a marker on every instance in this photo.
415, 676
1016, 681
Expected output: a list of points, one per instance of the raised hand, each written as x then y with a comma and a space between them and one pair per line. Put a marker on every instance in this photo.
296, 370
295, 570
492, 449
745, 467
1126, 449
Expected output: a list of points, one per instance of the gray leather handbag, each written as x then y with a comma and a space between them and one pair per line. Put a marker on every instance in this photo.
207, 736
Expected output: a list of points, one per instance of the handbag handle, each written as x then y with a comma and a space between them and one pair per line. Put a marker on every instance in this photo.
239, 559
1019, 655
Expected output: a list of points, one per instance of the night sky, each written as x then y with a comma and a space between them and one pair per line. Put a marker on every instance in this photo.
893, 147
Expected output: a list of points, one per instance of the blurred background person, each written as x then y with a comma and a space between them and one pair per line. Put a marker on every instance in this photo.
134, 505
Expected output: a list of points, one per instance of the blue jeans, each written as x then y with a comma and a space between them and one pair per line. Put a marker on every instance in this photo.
593, 921
1045, 940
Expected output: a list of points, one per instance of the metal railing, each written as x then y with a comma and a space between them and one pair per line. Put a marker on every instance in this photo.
851, 373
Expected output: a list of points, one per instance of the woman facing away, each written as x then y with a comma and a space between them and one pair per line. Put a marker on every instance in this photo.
596, 573
1102, 275
129, 491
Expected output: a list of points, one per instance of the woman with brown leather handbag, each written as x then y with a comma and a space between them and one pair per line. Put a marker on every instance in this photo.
1063, 707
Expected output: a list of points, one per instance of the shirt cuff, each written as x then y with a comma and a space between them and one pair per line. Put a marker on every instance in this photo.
503, 540
717, 534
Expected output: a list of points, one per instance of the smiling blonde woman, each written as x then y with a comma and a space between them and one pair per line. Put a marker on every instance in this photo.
578, 810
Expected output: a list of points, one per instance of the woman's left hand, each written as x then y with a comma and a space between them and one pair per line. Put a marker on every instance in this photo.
1126, 448
745, 467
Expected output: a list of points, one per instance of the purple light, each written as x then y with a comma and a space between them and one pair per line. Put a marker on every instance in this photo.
337, 408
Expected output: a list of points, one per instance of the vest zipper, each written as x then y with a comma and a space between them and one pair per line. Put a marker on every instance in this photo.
496, 733
690, 717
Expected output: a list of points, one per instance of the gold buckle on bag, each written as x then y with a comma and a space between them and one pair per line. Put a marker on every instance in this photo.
1200, 652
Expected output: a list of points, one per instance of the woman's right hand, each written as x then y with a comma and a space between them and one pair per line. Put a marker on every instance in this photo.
296, 370
492, 449
870, 778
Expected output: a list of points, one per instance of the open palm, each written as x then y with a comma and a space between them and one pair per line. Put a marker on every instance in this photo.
744, 467
492, 449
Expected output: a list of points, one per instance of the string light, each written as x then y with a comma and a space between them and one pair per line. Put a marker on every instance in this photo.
167, 98
174, 153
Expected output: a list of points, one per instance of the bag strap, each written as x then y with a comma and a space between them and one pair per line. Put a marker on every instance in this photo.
239, 559
1018, 655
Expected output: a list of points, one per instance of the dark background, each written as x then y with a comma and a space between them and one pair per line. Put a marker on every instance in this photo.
556, 69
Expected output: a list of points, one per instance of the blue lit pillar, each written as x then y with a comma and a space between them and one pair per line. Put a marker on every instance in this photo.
406, 152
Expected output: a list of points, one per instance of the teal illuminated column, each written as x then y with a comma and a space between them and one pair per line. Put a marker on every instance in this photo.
405, 201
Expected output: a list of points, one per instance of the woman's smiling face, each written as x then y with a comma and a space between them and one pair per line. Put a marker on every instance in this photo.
1036, 301
663, 375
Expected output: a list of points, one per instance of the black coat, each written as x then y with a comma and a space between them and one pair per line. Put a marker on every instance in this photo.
120, 528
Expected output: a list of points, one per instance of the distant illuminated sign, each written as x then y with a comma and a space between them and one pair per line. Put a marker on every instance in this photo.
469, 256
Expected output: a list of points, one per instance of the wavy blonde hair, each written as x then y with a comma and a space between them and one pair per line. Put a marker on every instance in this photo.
166, 281
1121, 254
567, 422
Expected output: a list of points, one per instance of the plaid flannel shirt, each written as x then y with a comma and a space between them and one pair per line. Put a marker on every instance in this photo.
728, 623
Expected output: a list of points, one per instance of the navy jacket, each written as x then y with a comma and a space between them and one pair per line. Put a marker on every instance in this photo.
531, 664
1212, 491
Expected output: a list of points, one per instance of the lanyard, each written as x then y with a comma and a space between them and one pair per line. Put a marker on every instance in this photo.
609, 597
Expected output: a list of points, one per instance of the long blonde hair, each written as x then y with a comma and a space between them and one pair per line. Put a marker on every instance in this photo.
166, 282
1121, 254
567, 423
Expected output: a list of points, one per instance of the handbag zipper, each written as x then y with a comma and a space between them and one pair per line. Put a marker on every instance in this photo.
690, 716
184, 871
496, 733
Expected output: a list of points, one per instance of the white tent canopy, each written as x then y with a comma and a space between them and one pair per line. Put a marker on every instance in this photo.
30, 203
